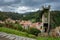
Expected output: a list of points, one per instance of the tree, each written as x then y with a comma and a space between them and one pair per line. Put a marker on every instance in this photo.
20, 27
1, 25
34, 31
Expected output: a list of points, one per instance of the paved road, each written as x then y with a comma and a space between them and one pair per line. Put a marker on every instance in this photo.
2, 38
5, 36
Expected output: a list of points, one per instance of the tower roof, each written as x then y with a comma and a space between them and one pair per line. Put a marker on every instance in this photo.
45, 9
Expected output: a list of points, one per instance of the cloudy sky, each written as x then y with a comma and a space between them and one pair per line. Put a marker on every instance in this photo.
22, 6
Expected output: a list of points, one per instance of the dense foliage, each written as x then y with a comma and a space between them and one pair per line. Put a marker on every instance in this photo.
34, 31
5, 15
55, 18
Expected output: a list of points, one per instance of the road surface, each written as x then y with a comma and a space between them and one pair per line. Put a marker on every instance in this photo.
2, 38
5, 36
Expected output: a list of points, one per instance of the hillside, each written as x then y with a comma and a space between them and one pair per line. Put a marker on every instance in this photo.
5, 15
55, 18
33, 16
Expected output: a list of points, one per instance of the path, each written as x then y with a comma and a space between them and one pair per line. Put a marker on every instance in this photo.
5, 36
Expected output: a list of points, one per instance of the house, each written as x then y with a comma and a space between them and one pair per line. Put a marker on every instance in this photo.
37, 25
2, 22
25, 24
9, 20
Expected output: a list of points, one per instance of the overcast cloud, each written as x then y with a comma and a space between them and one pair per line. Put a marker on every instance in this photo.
22, 6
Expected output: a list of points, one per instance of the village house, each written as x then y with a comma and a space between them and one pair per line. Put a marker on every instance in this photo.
2, 22
37, 25
25, 24
9, 20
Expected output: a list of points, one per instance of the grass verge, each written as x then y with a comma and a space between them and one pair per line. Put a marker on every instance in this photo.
48, 38
16, 32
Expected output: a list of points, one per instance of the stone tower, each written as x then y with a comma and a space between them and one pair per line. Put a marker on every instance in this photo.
46, 18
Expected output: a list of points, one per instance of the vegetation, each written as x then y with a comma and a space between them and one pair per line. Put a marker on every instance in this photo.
5, 15
48, 38
55, 18
34, 31
16, 32
1, 25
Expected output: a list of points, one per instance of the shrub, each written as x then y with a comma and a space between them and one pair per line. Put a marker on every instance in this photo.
1, 25
34, 31
19, 27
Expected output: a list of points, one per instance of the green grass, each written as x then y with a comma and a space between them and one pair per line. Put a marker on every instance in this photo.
19, 33
16, 32
48, 38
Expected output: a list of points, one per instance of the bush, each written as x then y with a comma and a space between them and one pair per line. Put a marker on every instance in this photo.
19, 27
1, 25
34, 31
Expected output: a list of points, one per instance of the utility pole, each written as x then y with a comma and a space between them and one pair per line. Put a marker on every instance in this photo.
48, 30
48, 22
